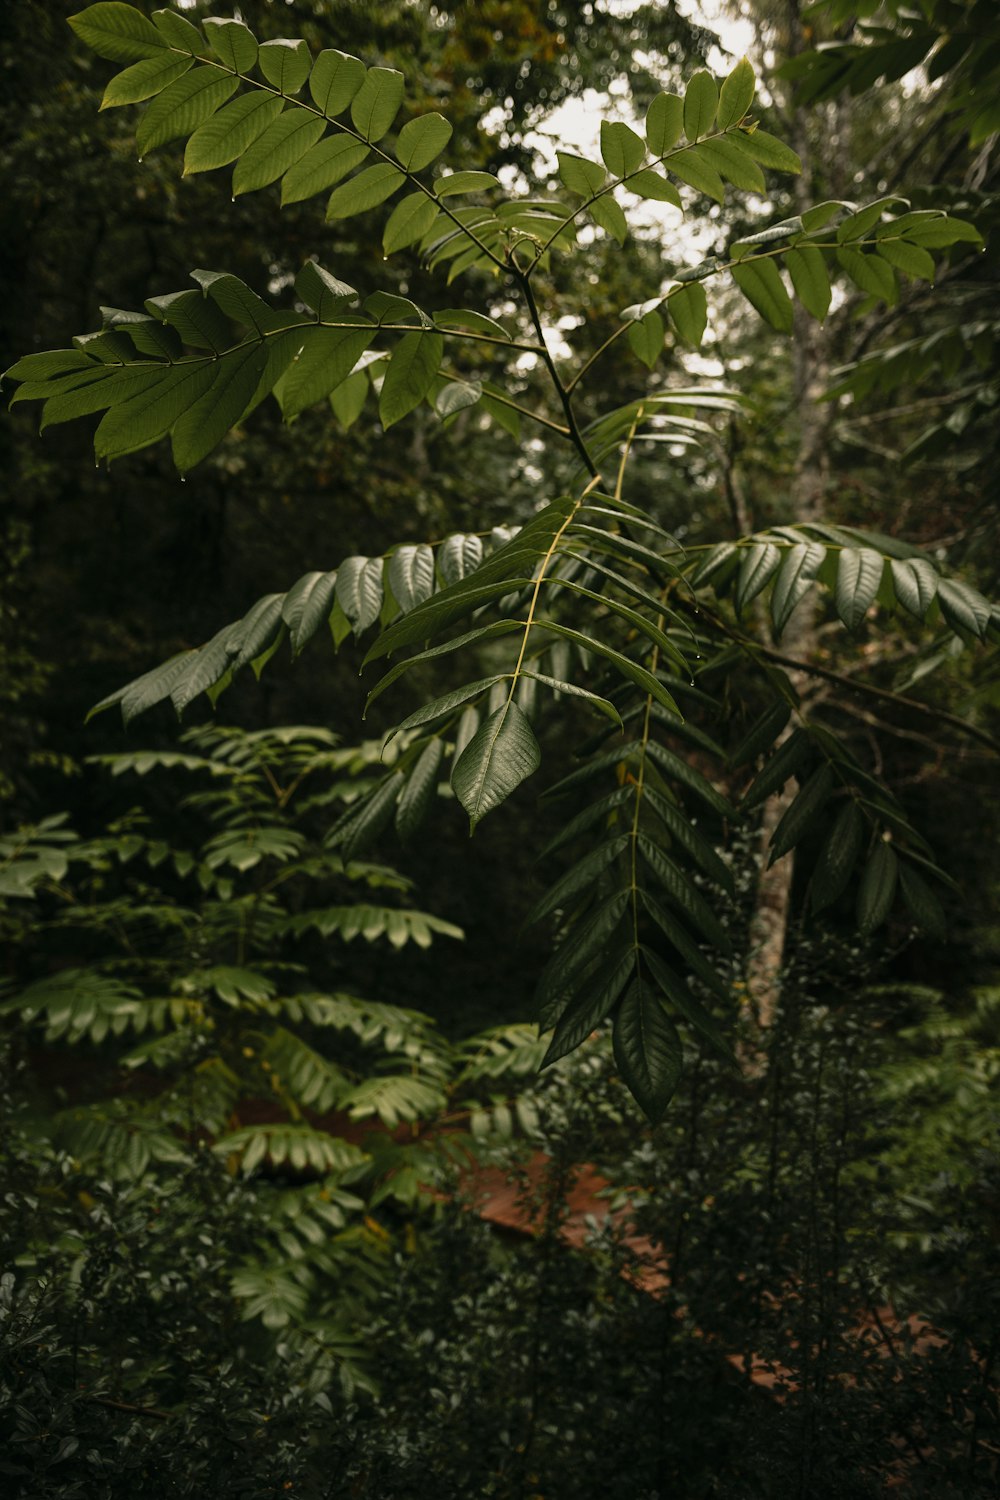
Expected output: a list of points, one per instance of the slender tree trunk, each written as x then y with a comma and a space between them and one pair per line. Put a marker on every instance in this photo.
807, 502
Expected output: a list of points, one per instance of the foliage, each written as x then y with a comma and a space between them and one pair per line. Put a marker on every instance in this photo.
203, 984
597, 574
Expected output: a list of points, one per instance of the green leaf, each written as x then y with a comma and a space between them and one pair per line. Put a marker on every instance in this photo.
785, 762
623, 664
359, 590
650, 184
573, 690
676, 766
963, 607
367, 190
422, 140
410, 375
685, 945
647, 1048
419, 791
664, 123
802, 813
760, 282
580, 176
335, 79
409, 221
178, 32
281, 145
203, 426
762, 734
580, 877
502, 753
285, 63
465, 182
325, 359
923, 904
683, 892
183, 106
807, 268
439, 708
475, 322
915, 583
760, 562
689, 310
701, 102
692, 167
646, 338
606, 213
795, 577
146, 78
307, 604
348, 399
232, 42
621, 149
376, 104
910, 259
839, 856
118, 32
325, 294
691, 1009
771, 152
411, 575
358, 834
938, 234
255, 632
859, 574
683, 832
736, 95
733, 165
457, 395
877, 889
458, 556
593, 1005
230, 132
870, 274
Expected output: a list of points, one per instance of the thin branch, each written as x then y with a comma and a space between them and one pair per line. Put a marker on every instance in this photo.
576, 437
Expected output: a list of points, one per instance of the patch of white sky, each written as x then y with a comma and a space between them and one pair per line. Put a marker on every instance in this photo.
575, 126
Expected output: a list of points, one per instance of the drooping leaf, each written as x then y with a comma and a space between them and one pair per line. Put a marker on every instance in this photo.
877, 888
411, 575
760, 282
418, 793
922, 902
502, 753
579, 175
762, 734
859, 573
807, 268
839, 856
325, 359
359, 590
802, 813
307, 603
647, 1049
760, 562
915, 583
785, 762
439, 708
411, 372
683, 892
203, 426
771, 152
795, 577
688, 308
591, 1006
645, 337
232, 42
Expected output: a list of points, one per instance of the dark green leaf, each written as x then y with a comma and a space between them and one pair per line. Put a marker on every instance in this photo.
683, 892
419, 791
681, 998
802, 813
688, 308
923, 904
762, 735
685, 945
760, 282
785, 762
438, 708
203, 425
502, 753
682, 830
647, 1049
877, 889
810, 278
677, 767
326, 358
588, 1009
839, 856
